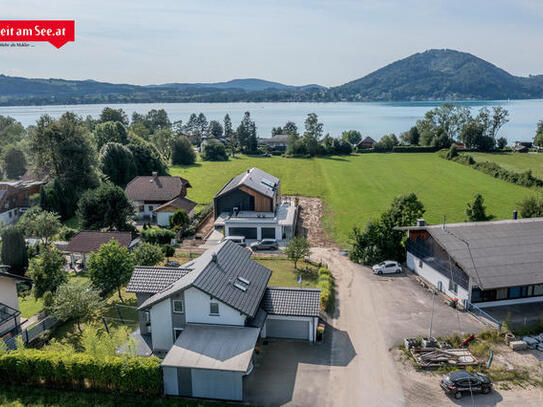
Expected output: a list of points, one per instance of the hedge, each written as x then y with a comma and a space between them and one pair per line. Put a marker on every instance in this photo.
328, 290
158, 235
126, 374
525, 179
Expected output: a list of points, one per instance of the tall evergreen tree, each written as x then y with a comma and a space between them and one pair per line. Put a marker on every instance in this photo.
14, 252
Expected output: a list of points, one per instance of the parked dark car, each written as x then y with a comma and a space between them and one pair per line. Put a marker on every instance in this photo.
265, 244
460, 381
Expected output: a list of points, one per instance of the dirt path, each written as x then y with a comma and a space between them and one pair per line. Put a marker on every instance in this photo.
370, 379
310, 222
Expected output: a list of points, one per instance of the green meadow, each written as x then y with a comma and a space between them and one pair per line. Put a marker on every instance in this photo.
358, 187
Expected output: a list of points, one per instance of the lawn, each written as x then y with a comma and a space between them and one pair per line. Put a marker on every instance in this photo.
19, 396
284, 274
29, 306
358, 187
514, 161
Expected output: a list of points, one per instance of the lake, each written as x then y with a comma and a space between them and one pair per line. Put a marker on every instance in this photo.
372, 119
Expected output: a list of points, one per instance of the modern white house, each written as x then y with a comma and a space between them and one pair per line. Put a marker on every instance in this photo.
486, 264
250, 205
205, 318
9, 301
150, 193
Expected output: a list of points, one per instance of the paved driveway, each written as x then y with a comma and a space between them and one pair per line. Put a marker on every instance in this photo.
354, 366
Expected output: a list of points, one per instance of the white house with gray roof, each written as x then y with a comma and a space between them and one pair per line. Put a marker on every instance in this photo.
250, 205
206, 317
487, 264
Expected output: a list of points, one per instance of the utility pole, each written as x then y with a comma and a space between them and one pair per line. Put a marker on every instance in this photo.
432, 315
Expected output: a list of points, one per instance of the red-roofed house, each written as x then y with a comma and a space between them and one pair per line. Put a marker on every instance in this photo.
149, 193
88, 241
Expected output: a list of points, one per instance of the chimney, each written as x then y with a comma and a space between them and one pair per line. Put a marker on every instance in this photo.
515, 215
214, 257
421, 222
248, 170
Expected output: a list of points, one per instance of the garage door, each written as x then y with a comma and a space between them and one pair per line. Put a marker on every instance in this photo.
214, 384
281, 328
249, 233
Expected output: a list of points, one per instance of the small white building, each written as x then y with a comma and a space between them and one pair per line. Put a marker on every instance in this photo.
163, 213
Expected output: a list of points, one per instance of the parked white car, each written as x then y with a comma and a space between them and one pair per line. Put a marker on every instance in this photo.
387, 267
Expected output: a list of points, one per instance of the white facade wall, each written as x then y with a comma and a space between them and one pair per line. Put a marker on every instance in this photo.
161, 325
197, 310
8, 296
163, 218
435, 277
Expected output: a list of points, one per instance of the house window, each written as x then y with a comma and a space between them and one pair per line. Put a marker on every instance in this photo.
453, 287
538, 289
147, 316
178, 306
177, 332
514, 292
213, 308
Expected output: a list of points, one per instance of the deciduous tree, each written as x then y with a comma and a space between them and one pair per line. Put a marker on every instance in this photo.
117, 164
111, 267
148, 254
46, 271
76, 301
105, 207
297, 248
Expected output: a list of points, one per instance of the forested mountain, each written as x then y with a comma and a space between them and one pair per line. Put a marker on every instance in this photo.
430, 75
439, 75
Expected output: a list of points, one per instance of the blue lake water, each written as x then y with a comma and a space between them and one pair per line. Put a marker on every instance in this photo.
372, 119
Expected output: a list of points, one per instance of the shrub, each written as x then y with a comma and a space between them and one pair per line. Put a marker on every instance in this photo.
182, 152
214, 151
414, 149
157, 235
126, 374
328, 290
148, 254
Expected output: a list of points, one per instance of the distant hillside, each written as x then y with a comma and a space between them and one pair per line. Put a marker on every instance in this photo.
439, 75
249, 84
430, 75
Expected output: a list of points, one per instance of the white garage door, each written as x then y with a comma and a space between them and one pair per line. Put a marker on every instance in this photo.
284, 328
214, 384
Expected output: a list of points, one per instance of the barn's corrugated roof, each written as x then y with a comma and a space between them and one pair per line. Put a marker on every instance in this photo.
496, 254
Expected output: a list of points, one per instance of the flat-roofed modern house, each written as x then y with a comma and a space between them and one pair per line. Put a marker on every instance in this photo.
205, 318
250, 205
15, 198
9, 301
150, 193
487, 264
87, 241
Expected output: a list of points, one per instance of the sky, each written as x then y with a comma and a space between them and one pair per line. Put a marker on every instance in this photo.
295, 42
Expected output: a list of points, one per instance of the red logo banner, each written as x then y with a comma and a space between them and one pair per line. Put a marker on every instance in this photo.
56, 32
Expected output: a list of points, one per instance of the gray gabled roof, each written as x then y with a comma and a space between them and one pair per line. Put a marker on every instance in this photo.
303, 302
255, 179
216, 273
152, 280
501, 253
226, 348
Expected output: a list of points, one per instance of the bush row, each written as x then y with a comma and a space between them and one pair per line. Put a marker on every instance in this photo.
400, 149
157, 235
328, 290
127, 374
525, 179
